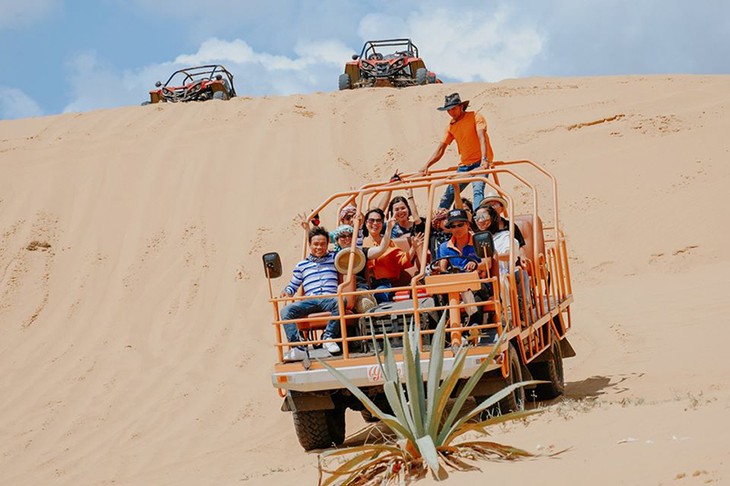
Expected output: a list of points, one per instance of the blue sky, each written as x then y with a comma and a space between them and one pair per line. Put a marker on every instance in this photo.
61, 56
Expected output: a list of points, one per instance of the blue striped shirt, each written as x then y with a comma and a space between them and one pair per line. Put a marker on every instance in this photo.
317, 276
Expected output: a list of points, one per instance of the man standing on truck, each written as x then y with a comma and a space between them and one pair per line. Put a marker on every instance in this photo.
316, 275
469, 129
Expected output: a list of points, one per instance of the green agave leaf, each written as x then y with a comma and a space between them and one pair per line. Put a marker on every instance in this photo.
497, 419
390, 363
393, 396
435, 367
428, 450
414, 381
387, 419
470, 384
446, 433
443, 393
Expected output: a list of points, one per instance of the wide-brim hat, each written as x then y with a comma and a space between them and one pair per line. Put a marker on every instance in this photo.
494, 197
342, 259
451, 101
456, 216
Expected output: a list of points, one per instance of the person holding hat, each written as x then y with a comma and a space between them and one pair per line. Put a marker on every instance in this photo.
469, 129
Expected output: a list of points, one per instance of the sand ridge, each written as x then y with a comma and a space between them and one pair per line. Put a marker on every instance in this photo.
136, 345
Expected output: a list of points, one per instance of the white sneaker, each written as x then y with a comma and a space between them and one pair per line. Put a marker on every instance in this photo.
332, 348
295, 354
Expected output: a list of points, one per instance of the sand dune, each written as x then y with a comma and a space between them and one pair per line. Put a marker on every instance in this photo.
135, 343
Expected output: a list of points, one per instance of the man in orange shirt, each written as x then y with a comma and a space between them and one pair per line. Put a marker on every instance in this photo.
469, 129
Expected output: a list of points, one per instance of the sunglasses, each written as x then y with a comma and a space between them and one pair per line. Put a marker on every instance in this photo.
482, 218
374, 221
457, 225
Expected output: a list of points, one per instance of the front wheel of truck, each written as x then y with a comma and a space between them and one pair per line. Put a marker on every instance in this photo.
320, 429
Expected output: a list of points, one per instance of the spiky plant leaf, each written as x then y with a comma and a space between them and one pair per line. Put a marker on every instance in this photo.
443, 392
446, 433
428, 450
435, 367
470, 384
387, 419
414, 381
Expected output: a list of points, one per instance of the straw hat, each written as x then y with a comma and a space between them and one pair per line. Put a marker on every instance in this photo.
343, 257
494, 197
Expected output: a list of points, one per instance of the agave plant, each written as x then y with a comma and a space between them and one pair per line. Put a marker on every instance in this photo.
425, 438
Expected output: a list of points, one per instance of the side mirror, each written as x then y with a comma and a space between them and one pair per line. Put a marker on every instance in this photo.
272, 265
484, 244
158, 84
355, 57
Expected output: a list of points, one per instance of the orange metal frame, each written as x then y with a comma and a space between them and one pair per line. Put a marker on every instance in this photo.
545, 318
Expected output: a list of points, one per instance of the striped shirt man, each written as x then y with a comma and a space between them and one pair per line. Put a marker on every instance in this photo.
316, 275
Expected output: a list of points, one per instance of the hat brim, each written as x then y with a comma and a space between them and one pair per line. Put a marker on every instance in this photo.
448, 107
457, 220
498, 199
343, 257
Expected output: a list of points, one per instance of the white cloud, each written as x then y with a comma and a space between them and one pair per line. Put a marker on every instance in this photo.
15, 13
14, 104
314, 67
463, 44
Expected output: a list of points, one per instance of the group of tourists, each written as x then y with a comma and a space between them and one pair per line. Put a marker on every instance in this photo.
388, 264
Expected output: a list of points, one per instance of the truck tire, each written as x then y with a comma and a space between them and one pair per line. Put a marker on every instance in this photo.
515, 401
320, 429
551, 371
421, 76
345, 81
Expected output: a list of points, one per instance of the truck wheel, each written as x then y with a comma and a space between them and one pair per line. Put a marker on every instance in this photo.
421, 76
515, 401
551, 371
345, 81
320, 429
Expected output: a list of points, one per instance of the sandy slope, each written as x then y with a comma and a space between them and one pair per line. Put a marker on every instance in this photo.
135, 348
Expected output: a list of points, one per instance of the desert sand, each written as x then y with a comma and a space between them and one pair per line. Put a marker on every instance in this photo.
135, 337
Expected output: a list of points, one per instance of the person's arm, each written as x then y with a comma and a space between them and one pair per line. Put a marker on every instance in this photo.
484, 145
416, 244
384, 200
412, 205
374, 253
435, 157
293, 286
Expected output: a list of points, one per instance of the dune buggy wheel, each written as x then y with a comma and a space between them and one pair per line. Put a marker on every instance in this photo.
345, 82
421, 76
551, 371
320, 429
